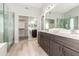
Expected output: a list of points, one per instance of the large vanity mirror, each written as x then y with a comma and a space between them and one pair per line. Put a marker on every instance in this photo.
60, 20
50, 22
68, 22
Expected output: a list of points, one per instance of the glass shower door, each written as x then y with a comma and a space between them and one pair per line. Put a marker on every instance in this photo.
5, 23
8, 25
1, 22
10, 28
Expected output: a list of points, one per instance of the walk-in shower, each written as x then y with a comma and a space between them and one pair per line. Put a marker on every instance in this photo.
6, 25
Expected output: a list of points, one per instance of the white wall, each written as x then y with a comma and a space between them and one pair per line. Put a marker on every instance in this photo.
73, 12
16, 35
20, 11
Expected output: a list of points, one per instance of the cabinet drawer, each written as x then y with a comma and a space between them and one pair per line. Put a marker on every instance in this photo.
69, 52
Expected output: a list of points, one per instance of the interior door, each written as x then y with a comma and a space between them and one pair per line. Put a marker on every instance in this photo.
23, 27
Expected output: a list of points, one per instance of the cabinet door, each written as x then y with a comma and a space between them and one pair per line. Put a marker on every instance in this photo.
69, 52
42, 40
46, 45
55, 49
39, 38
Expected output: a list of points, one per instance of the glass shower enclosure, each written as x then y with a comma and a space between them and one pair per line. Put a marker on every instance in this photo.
6, 25
1, 23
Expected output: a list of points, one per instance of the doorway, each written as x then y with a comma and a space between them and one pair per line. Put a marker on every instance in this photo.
23, 27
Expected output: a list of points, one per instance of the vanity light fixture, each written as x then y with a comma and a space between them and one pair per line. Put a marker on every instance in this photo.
49, 8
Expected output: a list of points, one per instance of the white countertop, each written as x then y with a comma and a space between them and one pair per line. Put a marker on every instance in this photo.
68, 35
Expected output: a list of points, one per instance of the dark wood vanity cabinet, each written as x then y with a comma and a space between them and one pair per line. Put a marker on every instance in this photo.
55, 45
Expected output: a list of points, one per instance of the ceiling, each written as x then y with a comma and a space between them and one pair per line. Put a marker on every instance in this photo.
30, 6
58, 8
34, 5
38, 6
27, 8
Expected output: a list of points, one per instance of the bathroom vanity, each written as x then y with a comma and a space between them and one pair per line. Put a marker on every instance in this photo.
57, 44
